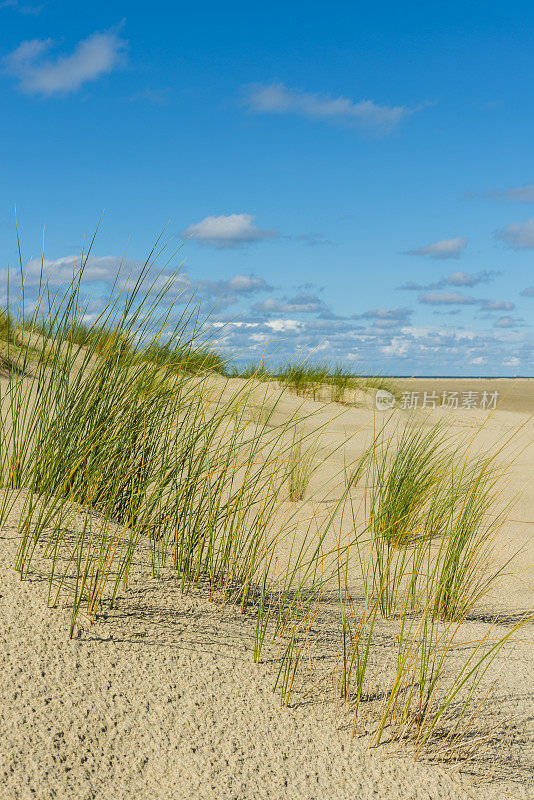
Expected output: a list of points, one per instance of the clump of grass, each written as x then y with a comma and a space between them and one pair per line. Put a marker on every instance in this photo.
405, 471
8, 330
304, 379
462, 565
189, 357
424, 549
431, 520
341, 380
421, 698
307, 379
303, 462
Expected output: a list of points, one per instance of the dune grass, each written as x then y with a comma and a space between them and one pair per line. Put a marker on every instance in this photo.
433, 518
304, 460
8, 332
332, 382
128, 445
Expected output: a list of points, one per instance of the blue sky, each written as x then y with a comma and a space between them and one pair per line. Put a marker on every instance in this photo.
354, 182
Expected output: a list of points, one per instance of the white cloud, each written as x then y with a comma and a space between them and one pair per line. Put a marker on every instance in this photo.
364, 114
39, 73
379, 340
397, 348
445, 248
124, 273
61, 270
460, 279
518, 234
285, 325
300, 304
506, 322
412, 349
246, 283
446, 298
231, 230
386, 317
237, 285
528, 292
497, 305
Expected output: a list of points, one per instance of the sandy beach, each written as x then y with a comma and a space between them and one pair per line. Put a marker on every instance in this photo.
160, 698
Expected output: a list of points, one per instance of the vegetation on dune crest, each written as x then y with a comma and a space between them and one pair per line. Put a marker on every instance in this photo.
319, 380
128, 445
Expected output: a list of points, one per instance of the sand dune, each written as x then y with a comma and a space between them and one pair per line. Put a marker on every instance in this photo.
161, 699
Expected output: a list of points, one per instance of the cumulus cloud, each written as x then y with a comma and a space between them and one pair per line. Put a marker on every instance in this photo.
398, 348
40, 73
285, 325
238, 284
386, 317
528, 292
61, 270
446, 298
513, 361
518, 235
380, 339
111, 271
437, 298
464, 279
230, 230
445, 248
457, 279
422, 350
496, 305
300, 304
507, 322
277, 98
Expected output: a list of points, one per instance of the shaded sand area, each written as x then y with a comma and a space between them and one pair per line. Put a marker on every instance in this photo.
160, 697
170, 710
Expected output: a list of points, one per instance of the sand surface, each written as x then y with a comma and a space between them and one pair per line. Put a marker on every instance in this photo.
161, 698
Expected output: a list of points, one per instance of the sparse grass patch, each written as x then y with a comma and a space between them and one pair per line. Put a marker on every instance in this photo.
257, 371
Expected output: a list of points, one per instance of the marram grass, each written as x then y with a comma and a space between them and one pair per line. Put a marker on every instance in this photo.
127, 444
